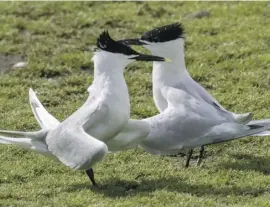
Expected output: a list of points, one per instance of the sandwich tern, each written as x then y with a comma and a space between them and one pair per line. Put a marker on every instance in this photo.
169, 40
78, 141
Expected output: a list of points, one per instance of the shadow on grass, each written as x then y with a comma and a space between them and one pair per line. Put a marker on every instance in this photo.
116, 187
247, 162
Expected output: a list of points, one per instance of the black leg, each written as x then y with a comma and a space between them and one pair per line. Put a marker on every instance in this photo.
90, 174
190, 152
199, 161
179, 154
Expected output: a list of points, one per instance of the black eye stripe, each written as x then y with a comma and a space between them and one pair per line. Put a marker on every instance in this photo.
164, 34
106, 43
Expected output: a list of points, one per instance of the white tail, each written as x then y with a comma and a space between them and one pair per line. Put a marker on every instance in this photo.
29, 140
27, 143
31, 135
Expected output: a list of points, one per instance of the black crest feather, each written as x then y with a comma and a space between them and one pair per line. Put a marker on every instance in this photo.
165, 33
106, 43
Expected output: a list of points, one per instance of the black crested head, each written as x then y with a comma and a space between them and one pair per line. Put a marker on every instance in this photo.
106, 43
164, 34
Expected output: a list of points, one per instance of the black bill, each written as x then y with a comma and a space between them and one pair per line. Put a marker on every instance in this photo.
132, 42
142, 57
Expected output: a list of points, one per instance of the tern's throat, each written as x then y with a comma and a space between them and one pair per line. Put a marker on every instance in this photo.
170, 72
108, 72
173, 50
109, 82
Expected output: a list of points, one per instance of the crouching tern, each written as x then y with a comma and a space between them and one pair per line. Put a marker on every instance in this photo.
169, 40
79, 142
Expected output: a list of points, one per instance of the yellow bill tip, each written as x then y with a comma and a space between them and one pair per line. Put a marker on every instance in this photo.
167, 60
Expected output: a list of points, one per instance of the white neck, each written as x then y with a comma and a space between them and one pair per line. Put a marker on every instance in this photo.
168, 73
112, 72
108, 72
109, 81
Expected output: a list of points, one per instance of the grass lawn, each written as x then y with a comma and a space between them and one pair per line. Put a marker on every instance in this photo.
228, 52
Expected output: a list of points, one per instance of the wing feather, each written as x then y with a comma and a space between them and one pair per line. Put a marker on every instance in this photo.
43, 117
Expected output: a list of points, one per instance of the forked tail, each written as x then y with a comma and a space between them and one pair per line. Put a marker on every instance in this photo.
29, 140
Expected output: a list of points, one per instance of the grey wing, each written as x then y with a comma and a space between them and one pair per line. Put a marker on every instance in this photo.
87, 115
72, 145
77, 149
211, 127
197, 107
43, 117
195, 89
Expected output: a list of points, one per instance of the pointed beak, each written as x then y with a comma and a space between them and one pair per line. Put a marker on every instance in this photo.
143, 57
132, 42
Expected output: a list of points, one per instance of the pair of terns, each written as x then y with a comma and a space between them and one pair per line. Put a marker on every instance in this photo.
189, 116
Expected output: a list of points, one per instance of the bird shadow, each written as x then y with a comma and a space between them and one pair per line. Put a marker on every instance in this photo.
246, 162
116, 187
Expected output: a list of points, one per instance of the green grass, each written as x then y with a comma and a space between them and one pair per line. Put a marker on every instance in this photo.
227, 52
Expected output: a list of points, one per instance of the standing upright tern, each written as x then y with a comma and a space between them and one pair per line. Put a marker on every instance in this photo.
168, 40
75, 142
